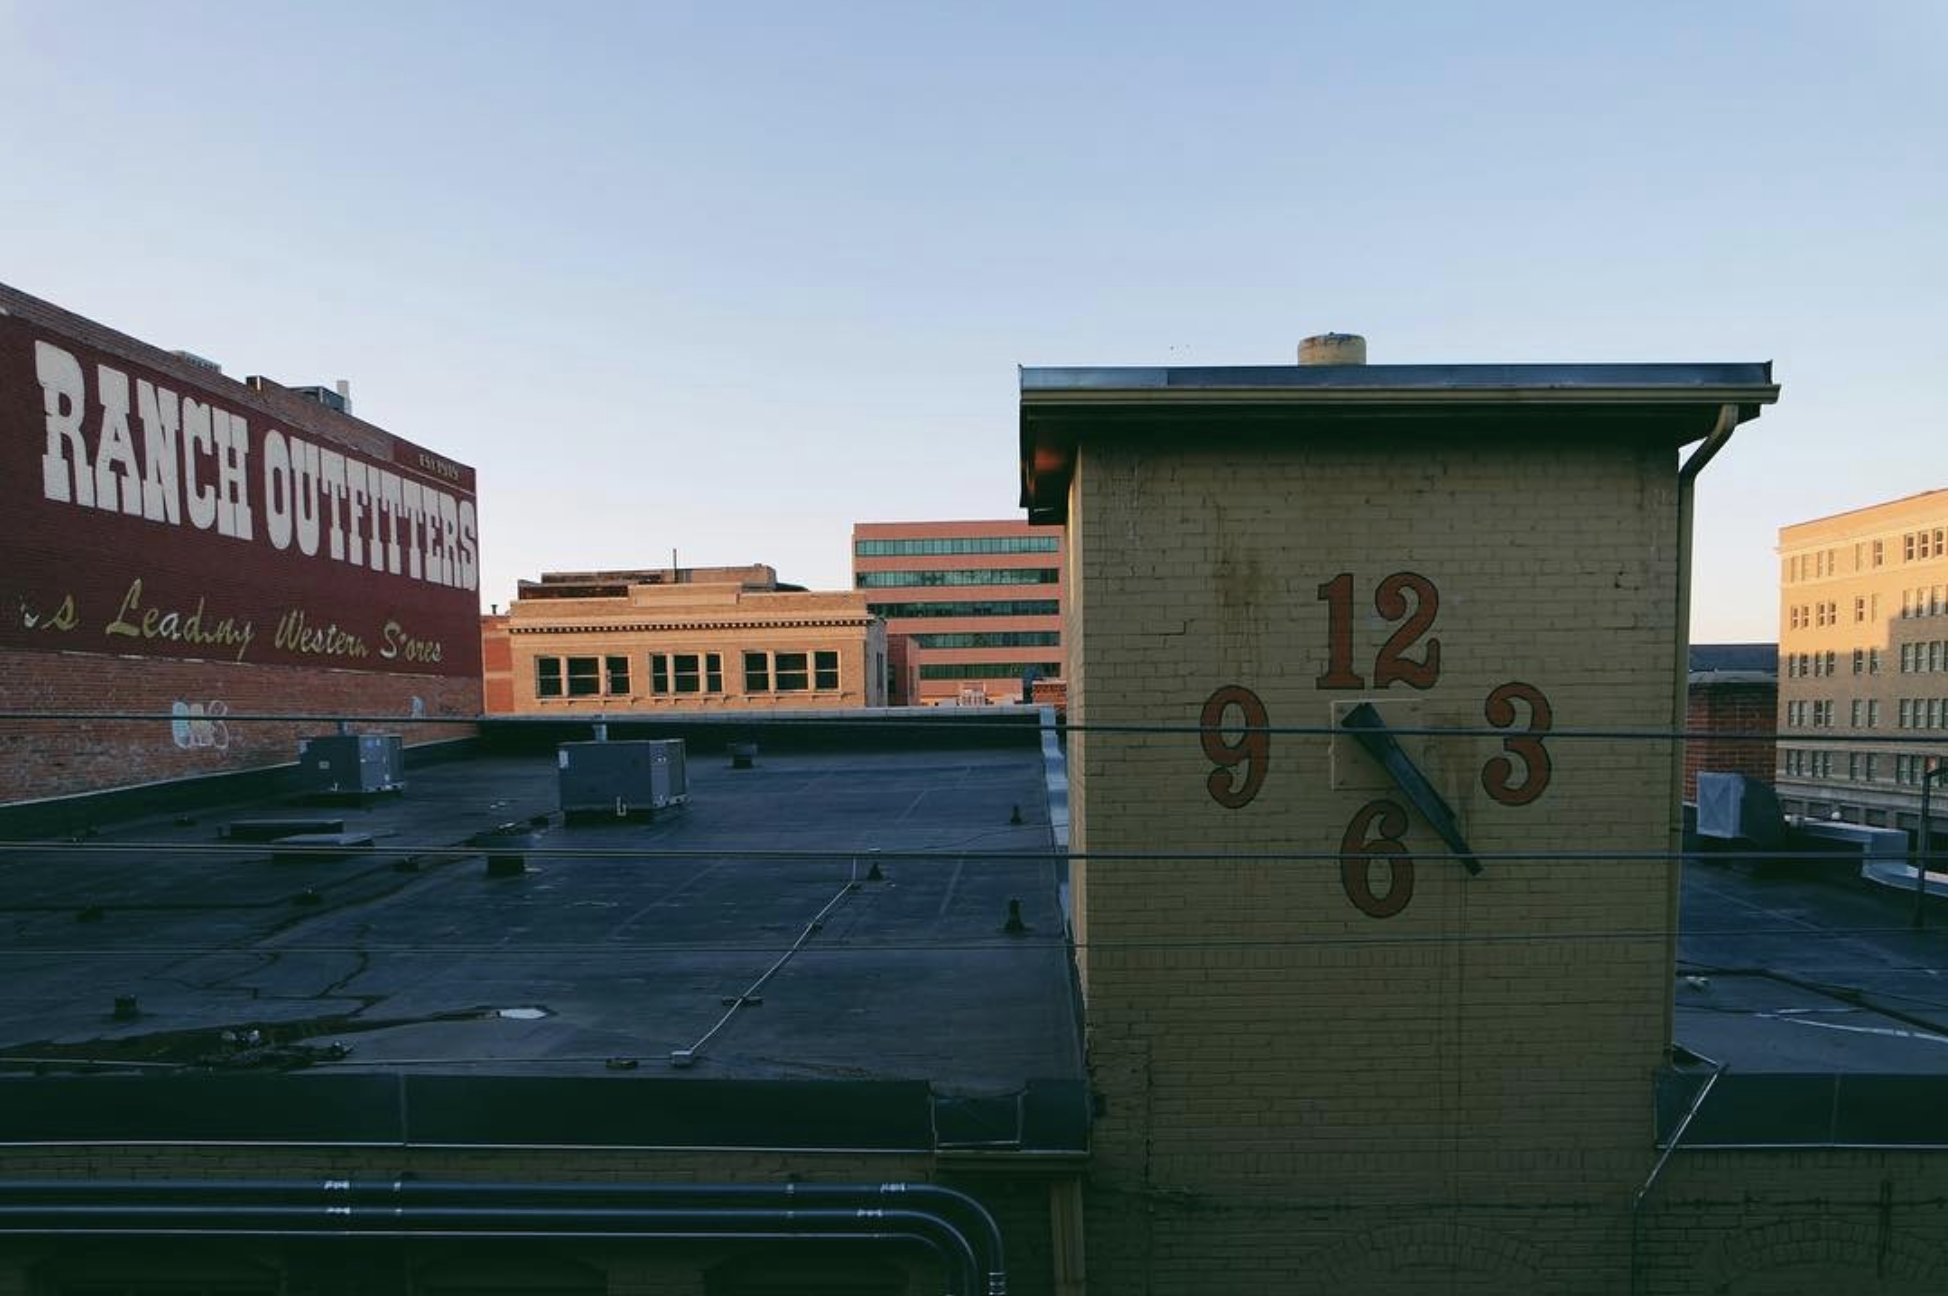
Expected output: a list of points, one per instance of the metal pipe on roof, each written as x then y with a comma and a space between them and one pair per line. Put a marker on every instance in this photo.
414, 1208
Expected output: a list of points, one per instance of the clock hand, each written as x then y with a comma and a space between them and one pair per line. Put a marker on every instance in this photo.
1365, 724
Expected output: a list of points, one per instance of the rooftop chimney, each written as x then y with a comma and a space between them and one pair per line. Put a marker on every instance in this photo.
1333, 349
344, 386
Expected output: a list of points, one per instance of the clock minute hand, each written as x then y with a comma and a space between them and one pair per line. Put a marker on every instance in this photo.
1365, 724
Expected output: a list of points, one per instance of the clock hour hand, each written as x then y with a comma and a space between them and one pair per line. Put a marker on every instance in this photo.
1365, 724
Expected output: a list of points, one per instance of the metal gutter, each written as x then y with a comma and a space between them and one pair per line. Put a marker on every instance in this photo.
1687, 477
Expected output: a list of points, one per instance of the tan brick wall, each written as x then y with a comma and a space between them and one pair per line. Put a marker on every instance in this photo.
1251, 1030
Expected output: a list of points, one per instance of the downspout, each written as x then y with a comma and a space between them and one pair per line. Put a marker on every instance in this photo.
925, 1213
1687, 477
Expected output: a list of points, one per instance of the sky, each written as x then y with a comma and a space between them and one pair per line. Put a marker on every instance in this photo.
726, 279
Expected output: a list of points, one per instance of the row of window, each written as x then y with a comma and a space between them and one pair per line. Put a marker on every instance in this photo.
1861, 767
680, 673
1924, 600
991, 639
1817, 713
976, 608
1801, 616
989, 670
1923, 713
1810, 566
956, 545
960, 576
1916, 546
1866, 661
1929, 655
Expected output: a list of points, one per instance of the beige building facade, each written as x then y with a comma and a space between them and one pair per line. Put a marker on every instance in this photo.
1863, 659
683, 640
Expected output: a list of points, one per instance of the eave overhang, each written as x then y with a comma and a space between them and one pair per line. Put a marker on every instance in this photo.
1062, 409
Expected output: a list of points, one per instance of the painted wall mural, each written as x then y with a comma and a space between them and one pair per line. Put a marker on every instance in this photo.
152, 514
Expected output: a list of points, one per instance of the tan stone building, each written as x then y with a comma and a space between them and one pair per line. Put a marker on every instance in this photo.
685, 639
1863, 658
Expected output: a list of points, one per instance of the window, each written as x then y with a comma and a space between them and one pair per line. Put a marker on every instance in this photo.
1853, 766
1872, 760
1934, 654
1832, 662
757, 672
1859, 660
960, 576
988, 670
791, 673
1907, 658
1907, 547
618, 669
1857, 712
1906, 711
991, 639
1859, 607
825, 671
1873, 661
584, 680
547, 677
686, 673
972, 608
936, 545
1873, 713
1877, 557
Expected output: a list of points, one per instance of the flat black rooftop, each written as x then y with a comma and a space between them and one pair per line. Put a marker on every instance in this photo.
415, 966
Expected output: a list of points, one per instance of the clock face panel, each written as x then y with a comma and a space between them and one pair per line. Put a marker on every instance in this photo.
1475, 600
1409, 655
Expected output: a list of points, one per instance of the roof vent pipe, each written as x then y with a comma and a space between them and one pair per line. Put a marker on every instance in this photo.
1333, 349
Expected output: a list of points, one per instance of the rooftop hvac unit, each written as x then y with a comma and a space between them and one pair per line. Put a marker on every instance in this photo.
622, 778
1732, 807
352, 763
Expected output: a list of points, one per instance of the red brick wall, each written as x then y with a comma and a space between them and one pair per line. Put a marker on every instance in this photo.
496, 666
55, 757
1728, 709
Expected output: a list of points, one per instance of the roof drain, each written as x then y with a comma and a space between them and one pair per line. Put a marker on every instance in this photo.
685, 1057
927, 1214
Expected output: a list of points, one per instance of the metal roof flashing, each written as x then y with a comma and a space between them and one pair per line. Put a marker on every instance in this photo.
1062, 407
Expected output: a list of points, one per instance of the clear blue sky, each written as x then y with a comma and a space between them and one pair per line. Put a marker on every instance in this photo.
728, 278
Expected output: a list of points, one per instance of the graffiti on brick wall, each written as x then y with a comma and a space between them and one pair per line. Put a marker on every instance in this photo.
200, 725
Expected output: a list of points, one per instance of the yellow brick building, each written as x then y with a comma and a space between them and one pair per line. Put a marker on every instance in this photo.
683, 640
1863, 657
1329, 1056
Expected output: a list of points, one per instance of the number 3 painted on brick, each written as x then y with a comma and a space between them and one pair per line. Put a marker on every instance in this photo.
1500, 712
